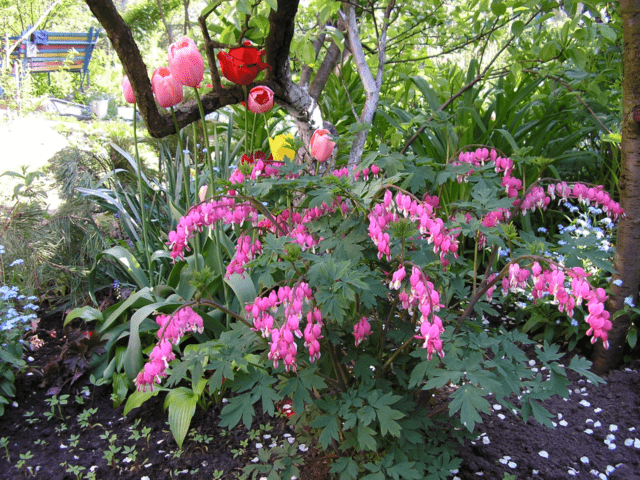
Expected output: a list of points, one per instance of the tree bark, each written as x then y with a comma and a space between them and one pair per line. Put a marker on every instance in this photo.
371, 85
278, 43
627, 258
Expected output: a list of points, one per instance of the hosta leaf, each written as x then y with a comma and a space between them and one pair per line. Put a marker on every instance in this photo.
182, 406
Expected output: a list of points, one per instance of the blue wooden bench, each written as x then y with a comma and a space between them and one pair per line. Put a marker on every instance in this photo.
46, 52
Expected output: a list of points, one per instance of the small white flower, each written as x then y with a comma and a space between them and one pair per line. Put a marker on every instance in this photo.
584, 460
303, 448
597, 410
613, 428
486, 440
584, 403
543, 454
588, 431
563, 423
628, 442
512, 464
597, 424
497, 407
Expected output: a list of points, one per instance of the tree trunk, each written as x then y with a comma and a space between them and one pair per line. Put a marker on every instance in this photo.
627, 258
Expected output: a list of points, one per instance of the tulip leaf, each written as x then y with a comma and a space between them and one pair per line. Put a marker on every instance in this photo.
182, 406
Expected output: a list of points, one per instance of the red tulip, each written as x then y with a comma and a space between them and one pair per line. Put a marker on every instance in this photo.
186, 63
129, 96
321, 145
167, 90
260, 99
242, 64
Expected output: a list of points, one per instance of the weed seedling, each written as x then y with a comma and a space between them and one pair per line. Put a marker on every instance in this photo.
110, 455
61, 428
22, 463
74, 440
83, 394
30, 419
217, 474
76, 470
237, 452
4, 443
56, 402
41, 441
83, 418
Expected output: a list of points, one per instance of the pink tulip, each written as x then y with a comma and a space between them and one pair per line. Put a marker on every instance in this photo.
321, 145
186, 63
260, 99
167, 90
129, 96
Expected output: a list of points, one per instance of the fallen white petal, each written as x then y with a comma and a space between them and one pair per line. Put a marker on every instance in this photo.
543, 454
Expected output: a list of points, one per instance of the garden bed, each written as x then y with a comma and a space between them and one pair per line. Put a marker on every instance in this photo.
597, 434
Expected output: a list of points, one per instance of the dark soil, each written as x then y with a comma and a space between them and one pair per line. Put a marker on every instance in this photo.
601, 438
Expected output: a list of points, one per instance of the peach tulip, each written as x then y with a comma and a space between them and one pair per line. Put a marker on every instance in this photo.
129, 96
321, 145
186, 63
167, 90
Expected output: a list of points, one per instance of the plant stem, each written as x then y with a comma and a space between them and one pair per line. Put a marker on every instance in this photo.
185, 172
143, 214
206, 138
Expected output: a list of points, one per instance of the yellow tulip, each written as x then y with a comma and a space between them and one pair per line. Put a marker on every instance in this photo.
280, 147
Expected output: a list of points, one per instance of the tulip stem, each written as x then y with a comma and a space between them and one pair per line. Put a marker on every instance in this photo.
206, 138
246, 114
143, 214
253, 129
185, 163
